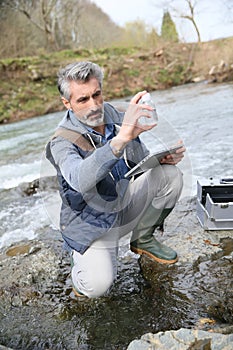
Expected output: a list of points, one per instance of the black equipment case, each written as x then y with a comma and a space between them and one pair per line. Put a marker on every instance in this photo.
215, 204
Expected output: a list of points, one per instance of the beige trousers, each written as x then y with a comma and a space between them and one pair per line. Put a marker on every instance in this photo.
94, 272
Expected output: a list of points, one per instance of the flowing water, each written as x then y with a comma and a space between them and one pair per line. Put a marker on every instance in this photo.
199, 114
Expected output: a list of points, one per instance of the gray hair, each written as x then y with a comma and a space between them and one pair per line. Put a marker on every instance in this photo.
78, 71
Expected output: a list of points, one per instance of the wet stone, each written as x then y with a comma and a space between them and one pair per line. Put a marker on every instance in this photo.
183, 339
20, 249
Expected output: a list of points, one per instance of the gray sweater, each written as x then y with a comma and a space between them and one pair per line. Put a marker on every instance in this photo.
90, 193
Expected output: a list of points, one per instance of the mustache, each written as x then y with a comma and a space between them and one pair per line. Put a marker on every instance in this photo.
93, 112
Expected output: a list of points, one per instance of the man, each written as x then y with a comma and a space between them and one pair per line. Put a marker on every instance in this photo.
92, 149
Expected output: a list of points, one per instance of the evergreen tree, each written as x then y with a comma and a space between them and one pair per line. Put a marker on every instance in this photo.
168, 30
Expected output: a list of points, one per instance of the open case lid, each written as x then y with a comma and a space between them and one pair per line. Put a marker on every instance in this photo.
220, 190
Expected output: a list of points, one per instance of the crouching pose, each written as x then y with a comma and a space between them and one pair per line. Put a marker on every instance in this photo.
92, 149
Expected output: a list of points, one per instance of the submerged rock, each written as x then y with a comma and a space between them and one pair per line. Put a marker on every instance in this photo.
27, 271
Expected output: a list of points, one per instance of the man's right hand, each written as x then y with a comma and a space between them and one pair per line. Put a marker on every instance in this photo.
131, 128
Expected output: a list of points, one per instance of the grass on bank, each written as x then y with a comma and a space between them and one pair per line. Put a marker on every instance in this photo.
28, 84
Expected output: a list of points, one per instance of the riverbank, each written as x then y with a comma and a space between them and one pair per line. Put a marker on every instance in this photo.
39, 310
28, 84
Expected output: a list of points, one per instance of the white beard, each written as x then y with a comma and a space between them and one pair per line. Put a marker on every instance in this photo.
92, 119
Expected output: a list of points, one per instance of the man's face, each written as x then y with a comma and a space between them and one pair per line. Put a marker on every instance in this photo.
86, 101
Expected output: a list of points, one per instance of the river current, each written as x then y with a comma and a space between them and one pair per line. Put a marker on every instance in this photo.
199, 114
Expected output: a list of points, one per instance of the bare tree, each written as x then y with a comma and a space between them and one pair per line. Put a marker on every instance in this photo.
19, 37
228, 4
191, 16
33, 26
175, 7
44, 15
39, 13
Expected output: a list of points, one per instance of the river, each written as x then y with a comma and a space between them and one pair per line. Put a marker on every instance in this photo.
180, 295
199, 114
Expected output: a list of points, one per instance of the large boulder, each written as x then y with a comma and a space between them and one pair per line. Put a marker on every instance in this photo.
183, 339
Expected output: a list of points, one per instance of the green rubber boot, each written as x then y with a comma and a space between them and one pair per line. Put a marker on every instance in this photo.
144, 242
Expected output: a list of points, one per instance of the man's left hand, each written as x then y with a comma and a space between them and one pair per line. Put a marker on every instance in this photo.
174, 158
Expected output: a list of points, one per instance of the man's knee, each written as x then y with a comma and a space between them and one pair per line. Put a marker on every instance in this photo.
94, 277
171, 184
175, 176
92, 286
174, 179
169, 175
